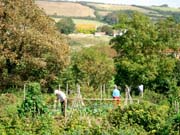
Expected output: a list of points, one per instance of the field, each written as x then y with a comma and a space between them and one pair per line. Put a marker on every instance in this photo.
111, 7
65, 9
84, 21
166, 9
103, 13
78, 41
90, 10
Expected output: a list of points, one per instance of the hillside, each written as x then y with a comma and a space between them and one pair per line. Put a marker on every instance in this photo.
66, 9
94, 11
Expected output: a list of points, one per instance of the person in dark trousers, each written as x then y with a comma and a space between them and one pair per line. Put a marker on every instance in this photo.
61, 97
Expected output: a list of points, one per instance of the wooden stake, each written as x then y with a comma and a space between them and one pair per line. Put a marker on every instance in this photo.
104, 89
101, 90
67, 88
24, 91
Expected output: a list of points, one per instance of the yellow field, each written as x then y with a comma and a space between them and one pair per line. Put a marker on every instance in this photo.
65, 9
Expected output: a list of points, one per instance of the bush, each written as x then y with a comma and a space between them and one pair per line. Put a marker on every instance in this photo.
171, 127
146, 117
107, 29
33, 103
66, 25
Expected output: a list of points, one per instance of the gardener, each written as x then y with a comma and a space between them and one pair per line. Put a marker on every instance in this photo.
116, 94
61, 97
141, 89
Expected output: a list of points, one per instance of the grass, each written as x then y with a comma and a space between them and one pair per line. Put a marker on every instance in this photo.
166, 9
78, 41
84, 21
103, 13
111, 7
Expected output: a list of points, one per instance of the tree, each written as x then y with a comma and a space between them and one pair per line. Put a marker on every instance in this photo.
92, 67
111, 18
31, 48
107, 29
141, 51
66, 25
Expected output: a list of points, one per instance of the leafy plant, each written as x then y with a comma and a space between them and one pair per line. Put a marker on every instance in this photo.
145, 116
33, 104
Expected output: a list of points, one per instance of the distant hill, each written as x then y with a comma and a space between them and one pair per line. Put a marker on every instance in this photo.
96, 11
69, 9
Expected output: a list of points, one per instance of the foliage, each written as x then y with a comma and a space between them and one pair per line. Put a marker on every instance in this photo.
66, 25
177, 72
92, 67
155, 97
141, 50
107, 29
31, 48
111, 18
43, 125
172, 126
145, 116
33, 104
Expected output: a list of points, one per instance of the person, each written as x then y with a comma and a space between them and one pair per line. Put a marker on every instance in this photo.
61, 97
116, 94
141, 89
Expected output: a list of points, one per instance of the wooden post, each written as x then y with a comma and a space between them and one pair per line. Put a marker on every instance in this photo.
101, 89
65, 109
138, 101
104, 90
67, 88
24, 91
177, 107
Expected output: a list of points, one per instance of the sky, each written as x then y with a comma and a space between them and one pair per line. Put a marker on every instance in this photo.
171, 3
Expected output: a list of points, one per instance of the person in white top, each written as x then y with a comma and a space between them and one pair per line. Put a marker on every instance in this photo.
61, 97
141, 89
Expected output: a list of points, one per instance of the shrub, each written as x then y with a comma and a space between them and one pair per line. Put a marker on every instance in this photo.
171, 127
66, 25
33, 103
145, 116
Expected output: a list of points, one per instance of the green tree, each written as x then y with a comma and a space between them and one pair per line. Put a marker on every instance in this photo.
107, 29
31, 49
92, 67
111, 18
141, 56
66, 25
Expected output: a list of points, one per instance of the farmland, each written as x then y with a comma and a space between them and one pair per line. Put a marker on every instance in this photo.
84, 21
96, 12
66, 9
111, 7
